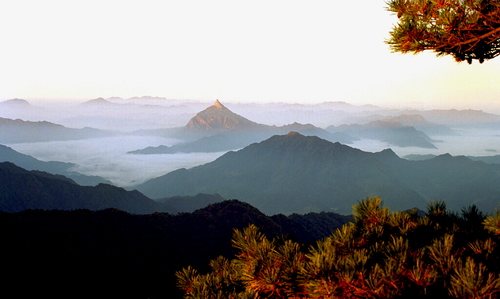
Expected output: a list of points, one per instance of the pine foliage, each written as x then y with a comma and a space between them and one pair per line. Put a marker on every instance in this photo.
465, 29
380, 255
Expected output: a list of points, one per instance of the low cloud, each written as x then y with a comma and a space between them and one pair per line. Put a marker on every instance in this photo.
107, 157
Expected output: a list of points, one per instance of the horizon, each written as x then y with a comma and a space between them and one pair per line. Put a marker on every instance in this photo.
37, 102
236, 52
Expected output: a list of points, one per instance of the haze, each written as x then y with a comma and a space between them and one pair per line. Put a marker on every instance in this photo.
258, 51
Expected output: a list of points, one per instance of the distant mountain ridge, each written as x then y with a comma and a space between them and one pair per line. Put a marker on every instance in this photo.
15, 103
98, 101
392, 132
294, 173
218, 129
19, 131
27, 162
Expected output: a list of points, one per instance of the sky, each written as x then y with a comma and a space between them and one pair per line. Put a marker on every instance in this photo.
234, 51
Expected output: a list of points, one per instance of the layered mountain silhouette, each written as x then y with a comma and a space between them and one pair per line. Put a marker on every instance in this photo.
291, 173
392, 132
218, 129
27, 162
460, 117
421, 124
295, 173
21, 189
18, 131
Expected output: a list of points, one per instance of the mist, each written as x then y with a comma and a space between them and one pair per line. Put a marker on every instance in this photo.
107, 157
468, 142
476, 133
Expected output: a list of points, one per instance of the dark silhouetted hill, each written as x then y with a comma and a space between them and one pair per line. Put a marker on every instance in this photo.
21, 189
111, 253
188, 204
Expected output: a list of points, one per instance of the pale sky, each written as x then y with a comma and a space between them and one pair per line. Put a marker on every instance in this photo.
234, 51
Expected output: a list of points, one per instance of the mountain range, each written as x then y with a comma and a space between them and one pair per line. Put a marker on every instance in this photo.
27, 162
296, 174
21, 189
20, 131
218, 129
392, 132
486, 159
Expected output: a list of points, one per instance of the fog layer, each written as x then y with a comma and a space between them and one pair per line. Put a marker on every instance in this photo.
108, 158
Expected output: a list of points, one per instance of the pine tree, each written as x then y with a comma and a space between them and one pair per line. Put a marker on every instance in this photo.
380, 255
465, 29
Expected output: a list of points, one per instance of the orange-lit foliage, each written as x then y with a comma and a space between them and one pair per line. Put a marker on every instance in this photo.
465, 29
380, 255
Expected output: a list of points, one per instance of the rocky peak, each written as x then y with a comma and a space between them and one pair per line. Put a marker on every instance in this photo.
218, 118
218, 105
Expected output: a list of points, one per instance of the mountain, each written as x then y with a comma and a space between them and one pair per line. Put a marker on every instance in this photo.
460, 117
311, 130
296, 174
98, 102
236, 140
188, 204
486, 159
217, 118
288, 174
458, 181
420, 123
21, 189
222, 130
27, 162
216, 143
115, 254
15, 103
18, 131
393, 133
